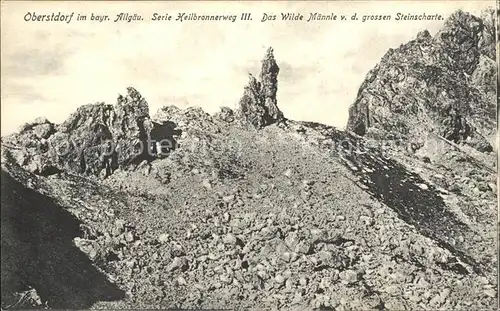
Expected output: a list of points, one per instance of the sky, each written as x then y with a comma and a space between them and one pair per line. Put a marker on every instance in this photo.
50, 68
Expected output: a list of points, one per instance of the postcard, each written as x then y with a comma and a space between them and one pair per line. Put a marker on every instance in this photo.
249, 155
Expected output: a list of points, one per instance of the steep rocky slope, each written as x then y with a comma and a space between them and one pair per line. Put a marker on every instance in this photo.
117, 208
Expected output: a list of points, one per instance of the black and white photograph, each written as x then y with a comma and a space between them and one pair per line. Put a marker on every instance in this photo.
249, 155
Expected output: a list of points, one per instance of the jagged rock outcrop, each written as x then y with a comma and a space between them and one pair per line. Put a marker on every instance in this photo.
40, 127
96, 139
80, 143
131, 127
269, 84
258, 105
441, 85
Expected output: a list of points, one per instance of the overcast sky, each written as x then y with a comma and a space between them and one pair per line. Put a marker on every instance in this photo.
49, 69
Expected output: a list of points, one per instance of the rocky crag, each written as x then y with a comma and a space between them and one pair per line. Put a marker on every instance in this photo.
116, 208
96, 139
258, 106
443, 84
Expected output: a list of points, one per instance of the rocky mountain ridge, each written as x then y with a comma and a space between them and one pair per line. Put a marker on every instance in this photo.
248, 209
99, 138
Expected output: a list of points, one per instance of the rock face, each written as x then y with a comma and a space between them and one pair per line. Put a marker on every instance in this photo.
131, 127
96, 139
442, 85
487, 41
258, 105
